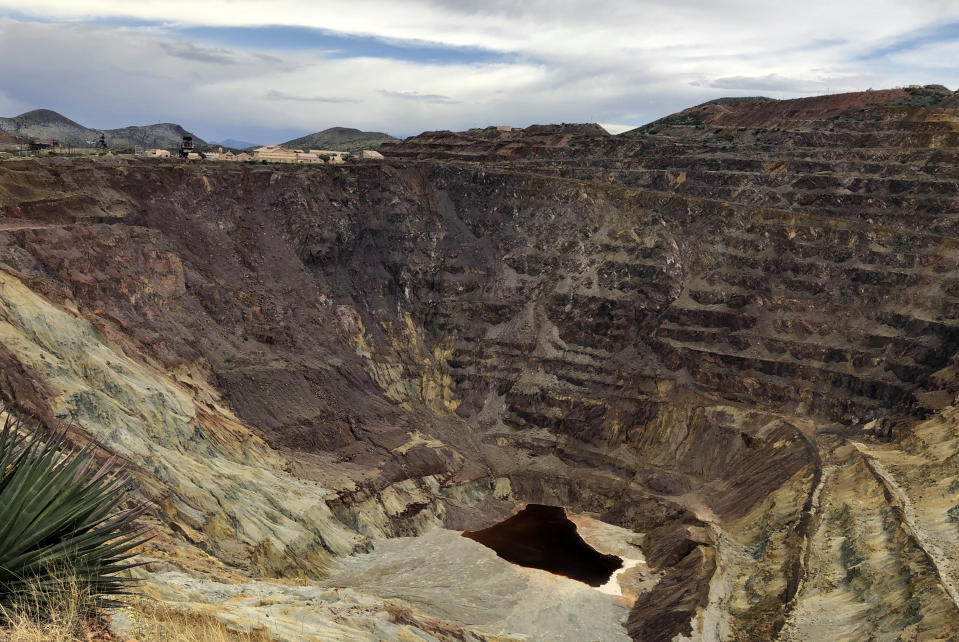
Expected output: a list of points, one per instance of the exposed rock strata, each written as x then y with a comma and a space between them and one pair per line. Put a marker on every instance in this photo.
733, 337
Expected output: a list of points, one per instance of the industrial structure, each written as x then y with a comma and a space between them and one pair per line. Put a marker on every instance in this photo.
186, 147
278, 154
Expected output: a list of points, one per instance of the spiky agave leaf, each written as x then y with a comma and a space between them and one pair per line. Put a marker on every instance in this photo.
59, 514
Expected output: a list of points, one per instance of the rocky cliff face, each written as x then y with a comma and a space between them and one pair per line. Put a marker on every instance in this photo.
724, 344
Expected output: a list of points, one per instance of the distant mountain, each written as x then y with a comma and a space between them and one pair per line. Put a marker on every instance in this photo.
341, 139
234, 143
162, 135
48, 124
44, 123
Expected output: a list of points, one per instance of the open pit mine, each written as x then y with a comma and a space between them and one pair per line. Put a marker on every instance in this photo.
696, 381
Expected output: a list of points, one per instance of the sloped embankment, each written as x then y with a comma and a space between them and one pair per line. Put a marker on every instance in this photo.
724, 347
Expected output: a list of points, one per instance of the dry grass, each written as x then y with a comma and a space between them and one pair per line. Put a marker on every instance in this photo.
157, 622
32, 619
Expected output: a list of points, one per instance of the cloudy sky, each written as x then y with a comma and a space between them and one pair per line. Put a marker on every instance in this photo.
269, 71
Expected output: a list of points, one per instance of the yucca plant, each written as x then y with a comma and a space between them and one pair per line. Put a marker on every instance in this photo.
60, 514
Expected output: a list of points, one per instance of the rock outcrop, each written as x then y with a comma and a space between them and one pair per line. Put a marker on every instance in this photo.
731, 335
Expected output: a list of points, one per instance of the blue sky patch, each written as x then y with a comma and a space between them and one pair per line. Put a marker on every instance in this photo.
336, 45
947, 32
293, 38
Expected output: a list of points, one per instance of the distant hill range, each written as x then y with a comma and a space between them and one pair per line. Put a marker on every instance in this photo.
233, 143
341, 139
47, 124
761, 111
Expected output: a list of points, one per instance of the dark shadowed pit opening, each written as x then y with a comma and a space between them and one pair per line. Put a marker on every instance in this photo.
542, 537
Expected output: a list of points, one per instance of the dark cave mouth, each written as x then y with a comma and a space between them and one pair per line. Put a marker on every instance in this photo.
543, 537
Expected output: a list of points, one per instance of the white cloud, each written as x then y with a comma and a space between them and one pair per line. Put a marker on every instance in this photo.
934, 57
576, 29
607, 60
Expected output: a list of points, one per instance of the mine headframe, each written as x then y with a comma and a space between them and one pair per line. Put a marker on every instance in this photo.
186, 147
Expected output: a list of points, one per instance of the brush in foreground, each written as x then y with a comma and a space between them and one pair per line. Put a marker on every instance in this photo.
59, 514
56, 612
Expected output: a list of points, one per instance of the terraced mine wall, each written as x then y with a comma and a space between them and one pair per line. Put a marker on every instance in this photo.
740, 349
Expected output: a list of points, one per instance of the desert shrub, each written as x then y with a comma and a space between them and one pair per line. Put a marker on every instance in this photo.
916, 100
920, 97
682, 119
60, 520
